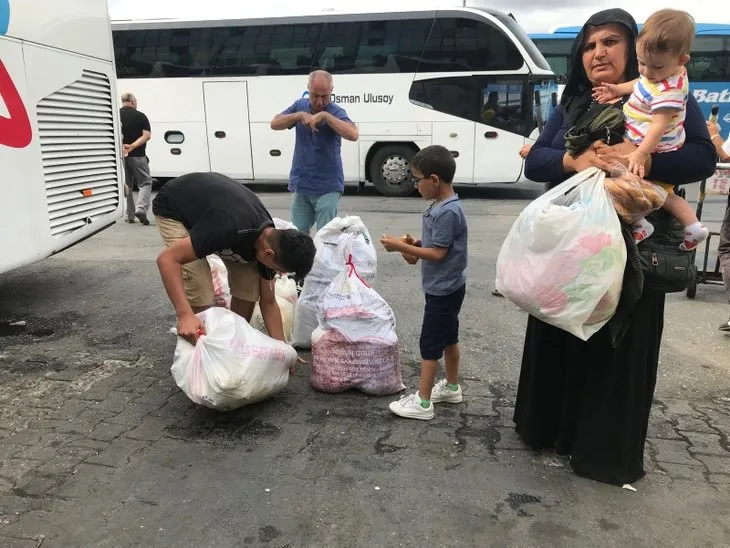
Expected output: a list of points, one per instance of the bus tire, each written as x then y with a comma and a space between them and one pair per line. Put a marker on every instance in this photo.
390, 169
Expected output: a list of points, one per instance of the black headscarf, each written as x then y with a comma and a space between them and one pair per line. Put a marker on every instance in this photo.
577, 95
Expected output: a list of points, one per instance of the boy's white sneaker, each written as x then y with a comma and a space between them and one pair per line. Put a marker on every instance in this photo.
443, 394
410, 407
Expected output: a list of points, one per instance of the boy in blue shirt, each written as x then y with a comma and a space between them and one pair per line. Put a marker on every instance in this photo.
443, 253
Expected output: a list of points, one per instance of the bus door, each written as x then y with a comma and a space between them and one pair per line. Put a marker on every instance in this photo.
499, 133
228, 130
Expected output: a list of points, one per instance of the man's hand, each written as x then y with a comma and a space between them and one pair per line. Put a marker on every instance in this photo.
190, 328
603, 93
127, 150
314, 120
304, 118
299, 361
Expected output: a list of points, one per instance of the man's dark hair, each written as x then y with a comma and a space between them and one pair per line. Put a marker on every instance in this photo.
294, 251
435, 160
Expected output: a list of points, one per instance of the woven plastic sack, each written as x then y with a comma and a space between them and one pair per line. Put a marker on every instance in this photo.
232, 365
341, 238
355, 344
564, 257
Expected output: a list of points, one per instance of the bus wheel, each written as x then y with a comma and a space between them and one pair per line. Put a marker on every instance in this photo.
390, 169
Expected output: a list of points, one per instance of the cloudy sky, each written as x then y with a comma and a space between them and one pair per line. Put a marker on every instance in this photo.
533, 15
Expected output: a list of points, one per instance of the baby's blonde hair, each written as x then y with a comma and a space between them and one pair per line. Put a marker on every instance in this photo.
667, 31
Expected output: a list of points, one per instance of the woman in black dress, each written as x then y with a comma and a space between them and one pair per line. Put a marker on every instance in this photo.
591, 400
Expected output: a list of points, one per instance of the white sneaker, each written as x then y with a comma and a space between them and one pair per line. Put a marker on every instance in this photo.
693, 236
642, 230
410, 407
443, 394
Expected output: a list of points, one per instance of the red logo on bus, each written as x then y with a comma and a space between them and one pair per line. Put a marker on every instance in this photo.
15, 131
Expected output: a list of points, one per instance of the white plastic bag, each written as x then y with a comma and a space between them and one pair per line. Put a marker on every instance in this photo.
232, 365
281, 224
341, 238
355, 345
286, 298
221, 290
563, 259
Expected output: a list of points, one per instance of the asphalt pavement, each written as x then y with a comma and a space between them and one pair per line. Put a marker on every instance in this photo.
100, 448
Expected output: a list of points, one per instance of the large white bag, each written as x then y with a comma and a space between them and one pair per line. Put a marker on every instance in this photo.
336, 242
286, 298
355, 344
233, 364
563, 260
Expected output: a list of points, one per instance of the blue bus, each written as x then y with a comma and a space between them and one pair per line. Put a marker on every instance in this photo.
708, 70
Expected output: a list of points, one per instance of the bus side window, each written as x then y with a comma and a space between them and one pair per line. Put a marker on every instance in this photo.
460, 44
365, 47
456, 96
503, 103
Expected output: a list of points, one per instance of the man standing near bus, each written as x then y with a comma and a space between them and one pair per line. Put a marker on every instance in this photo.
135, 134
316, 176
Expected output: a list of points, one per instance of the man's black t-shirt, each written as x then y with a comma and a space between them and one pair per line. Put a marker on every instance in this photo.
223, 217
133, 123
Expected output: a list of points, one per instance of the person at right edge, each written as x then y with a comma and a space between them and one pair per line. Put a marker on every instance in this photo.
591, 400
723, 152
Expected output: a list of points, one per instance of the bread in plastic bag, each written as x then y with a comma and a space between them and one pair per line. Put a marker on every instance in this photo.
633, 197
233, 364
355, 344
563, 259
339, 239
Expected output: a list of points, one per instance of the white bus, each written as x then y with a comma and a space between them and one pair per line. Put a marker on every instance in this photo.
465, 78
60, 140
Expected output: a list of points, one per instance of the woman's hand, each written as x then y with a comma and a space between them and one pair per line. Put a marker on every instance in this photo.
584, 160
525, 150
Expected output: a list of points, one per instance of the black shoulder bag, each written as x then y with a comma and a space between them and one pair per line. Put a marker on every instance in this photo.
666, 268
